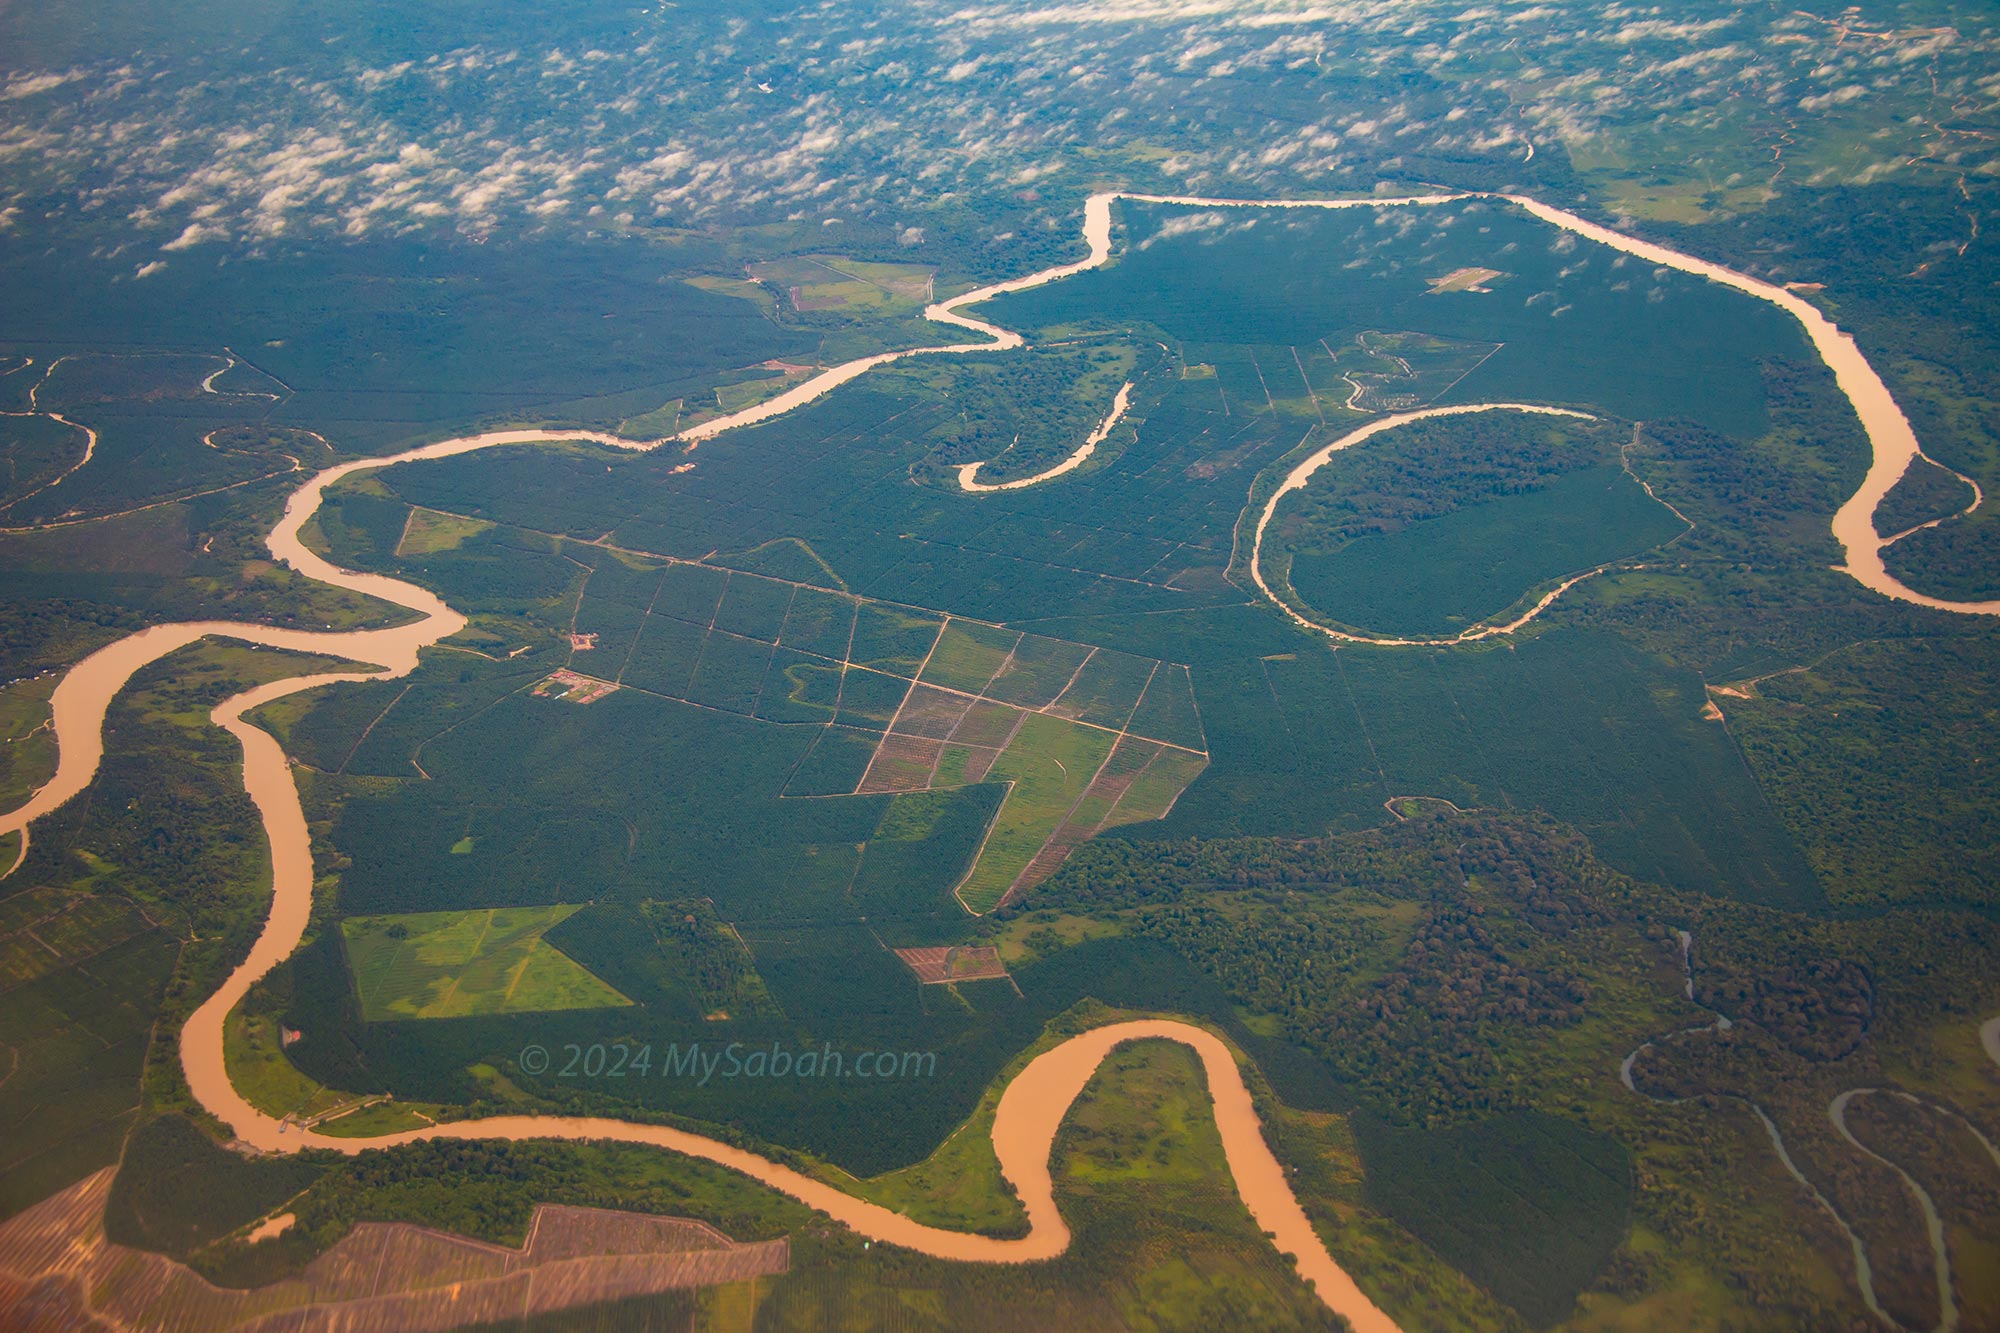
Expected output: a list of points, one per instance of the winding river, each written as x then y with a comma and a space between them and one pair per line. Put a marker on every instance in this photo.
1030, 1111
1313, 462
968, 474
1836, 1110
1035, 1103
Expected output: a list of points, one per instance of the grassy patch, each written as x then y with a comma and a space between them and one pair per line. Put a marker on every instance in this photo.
429, 532
253, 1052
1050, 763
458, 964
968, 654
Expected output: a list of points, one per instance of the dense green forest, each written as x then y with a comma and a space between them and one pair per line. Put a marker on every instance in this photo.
1022, 413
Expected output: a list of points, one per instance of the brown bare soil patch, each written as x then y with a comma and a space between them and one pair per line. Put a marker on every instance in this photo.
929, 711
1133, 753
1465, 280
574, 687
1046, 862
987, 723
58, 1270
963, 962
901, 763
980, 764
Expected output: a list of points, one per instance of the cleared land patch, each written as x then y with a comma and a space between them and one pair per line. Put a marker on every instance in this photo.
1465, 280
847, 286
458, 964
941, 965
429, 532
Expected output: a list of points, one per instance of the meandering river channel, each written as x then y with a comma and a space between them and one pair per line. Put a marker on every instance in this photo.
1030, 1111
1035, 1103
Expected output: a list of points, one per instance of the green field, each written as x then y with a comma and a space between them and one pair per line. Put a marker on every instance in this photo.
27, 741
1050, 763
459, 964
1038, 671
839, 285
428, 533
968, 654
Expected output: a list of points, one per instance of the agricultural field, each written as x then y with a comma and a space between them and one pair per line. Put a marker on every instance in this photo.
811, 283
426, 533
1571, 1190
462, 964
921, 701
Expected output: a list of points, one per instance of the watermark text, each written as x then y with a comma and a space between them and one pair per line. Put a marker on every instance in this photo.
702, 1064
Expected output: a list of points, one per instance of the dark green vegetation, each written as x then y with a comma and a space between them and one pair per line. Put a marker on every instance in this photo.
1925, 494
177, 1190
1020, 413
319, 320
36, 451
1431, 1005
1446, 575
1954, 559
1571, 326
1470, 986
1568, 1189
896, 697
1457, 1079
697, 966
1437, 526
167, 519
1847, 741
1582, 724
